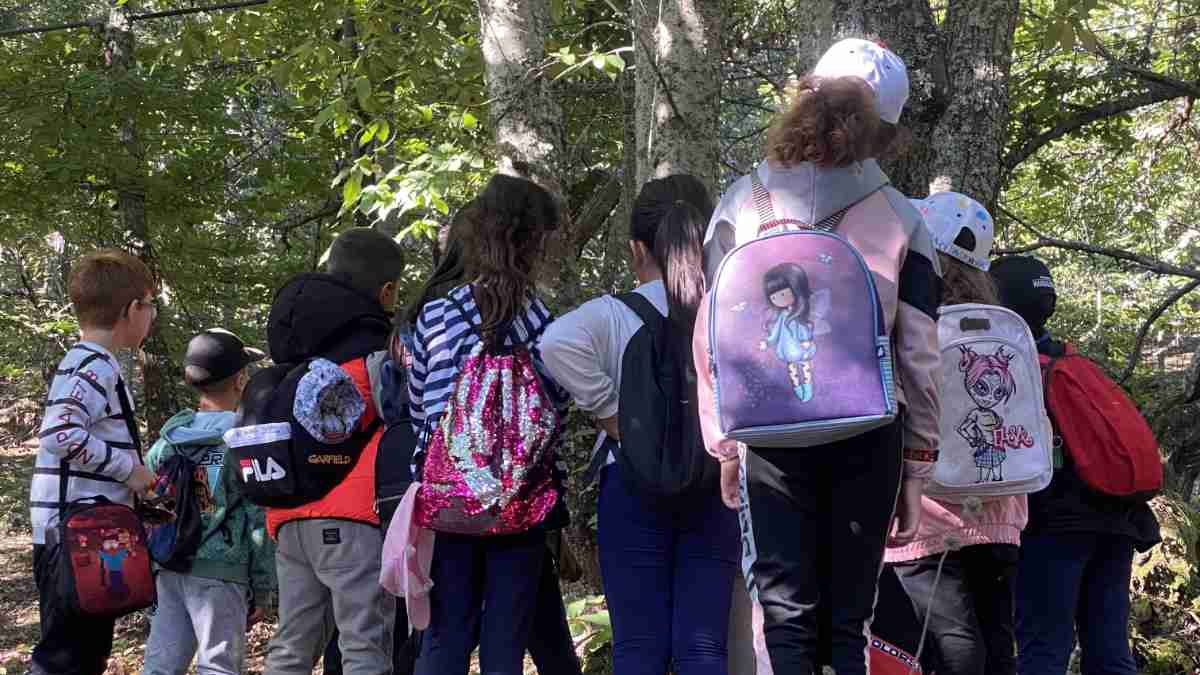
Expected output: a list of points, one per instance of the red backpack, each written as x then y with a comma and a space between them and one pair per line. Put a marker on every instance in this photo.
1113, 449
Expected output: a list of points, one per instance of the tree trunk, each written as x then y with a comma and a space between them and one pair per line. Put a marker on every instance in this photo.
526, 119
129, 170
957, 111
678, 52
970, 135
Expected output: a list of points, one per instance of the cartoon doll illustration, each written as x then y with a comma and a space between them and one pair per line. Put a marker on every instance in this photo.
988, 382
796, 320
113, 553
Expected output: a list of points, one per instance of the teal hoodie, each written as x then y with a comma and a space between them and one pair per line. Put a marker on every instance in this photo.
235, 546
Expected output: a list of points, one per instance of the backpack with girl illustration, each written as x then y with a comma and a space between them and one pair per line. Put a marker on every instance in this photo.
995, 435
773, 337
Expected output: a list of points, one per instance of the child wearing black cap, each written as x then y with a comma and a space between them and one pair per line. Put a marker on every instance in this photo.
205, 612
1077, 550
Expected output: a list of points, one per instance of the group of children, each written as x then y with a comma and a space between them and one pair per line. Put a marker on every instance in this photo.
817, 525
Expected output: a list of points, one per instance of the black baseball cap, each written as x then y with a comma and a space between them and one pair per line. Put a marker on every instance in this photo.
215, 355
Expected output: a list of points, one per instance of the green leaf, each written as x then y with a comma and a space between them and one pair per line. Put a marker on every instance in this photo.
468, 120
362, 89
351, 190
615, 62
324, 116
368, 134
599, 62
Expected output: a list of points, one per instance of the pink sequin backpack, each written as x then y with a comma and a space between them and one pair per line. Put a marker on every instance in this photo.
489, 461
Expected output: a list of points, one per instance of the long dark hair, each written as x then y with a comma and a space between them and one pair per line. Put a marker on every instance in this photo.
501, 246
449, 270
792, 277
669, 216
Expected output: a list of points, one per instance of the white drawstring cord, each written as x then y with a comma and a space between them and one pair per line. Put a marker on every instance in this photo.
953, 542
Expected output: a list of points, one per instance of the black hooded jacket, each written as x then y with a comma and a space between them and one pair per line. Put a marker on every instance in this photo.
316, 314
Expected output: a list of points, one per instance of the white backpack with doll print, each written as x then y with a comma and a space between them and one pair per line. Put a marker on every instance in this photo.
996, 438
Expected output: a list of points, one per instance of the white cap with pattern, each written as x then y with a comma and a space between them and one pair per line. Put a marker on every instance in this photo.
878, 65
959, 226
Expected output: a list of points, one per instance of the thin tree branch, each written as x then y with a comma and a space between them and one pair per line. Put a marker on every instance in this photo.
288, 224
1096, 113
1136, 353
595, 212
1145, 262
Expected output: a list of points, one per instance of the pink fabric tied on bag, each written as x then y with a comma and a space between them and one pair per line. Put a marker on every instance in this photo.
408, 559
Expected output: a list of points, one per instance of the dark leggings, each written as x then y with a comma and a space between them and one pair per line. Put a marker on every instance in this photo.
550, 646
971, 626
668, 578
813, 535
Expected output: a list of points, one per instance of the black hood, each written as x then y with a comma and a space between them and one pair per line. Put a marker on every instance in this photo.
319, 315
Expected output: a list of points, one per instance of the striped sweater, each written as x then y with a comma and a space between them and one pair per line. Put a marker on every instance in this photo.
444, 337
84, 429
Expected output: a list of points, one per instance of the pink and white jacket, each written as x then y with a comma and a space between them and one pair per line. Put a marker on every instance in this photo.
892, 238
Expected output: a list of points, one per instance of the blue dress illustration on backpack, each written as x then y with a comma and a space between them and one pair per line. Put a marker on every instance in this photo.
795, 323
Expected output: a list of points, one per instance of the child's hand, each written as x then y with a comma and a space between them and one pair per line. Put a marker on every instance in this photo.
908, 512
731, 483
141, 480
762, 346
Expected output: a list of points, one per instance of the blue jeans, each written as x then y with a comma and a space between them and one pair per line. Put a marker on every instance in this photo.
668, 578
485, 591
1069, 582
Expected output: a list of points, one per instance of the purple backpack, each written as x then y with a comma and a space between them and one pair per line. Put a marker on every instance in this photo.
797, 340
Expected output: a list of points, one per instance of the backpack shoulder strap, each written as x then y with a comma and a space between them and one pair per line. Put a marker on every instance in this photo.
127, 413
766, 209
762, 200
644, 309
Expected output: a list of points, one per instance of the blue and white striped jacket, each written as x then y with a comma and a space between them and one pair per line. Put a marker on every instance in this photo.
444, 337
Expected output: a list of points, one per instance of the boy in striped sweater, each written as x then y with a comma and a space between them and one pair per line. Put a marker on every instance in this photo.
86, 435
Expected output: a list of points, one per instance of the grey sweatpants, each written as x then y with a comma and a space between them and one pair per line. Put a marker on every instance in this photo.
197, 617
329, 576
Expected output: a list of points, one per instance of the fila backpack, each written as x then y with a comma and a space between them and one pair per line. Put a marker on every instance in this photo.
995, 436
300, 434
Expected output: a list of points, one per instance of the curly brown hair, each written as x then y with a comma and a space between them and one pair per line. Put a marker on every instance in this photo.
829, 122
963, 283
502, 244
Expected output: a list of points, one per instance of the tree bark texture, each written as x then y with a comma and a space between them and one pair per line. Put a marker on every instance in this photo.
130, 179
526, 119
957, 111
678, 52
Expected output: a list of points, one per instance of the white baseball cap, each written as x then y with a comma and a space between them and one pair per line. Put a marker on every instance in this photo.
959, 226
876, 64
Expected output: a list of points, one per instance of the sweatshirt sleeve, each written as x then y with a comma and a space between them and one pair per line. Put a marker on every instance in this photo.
575, 348
917, 355
74, 408
710, 427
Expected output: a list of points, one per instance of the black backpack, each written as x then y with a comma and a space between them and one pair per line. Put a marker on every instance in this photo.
661, 451
276, 462
173, 543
